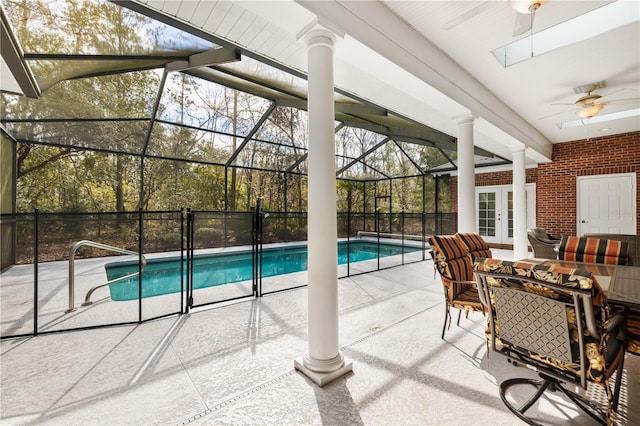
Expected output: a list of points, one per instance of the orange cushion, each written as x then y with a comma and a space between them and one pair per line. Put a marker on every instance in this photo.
447, 247
460, 269
593, 250
472, 240
478, 247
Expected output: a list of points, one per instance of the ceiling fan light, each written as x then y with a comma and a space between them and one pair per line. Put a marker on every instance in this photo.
526, 6
521, 6
590, 111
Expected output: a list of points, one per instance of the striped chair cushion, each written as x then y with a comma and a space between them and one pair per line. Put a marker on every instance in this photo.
478, 247
467, 299
453, 262
460, 269
481, 253
593, 250
447, 247
472, 240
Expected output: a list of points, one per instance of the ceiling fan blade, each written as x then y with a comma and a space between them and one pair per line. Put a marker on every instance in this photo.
613, 93
626, 89
611, 101
523, 23
557, 113
463, 17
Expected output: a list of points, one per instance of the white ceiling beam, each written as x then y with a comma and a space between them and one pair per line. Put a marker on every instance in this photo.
13, 62
377, 27
219, 55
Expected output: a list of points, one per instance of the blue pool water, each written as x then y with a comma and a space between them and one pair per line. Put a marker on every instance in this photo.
162, 276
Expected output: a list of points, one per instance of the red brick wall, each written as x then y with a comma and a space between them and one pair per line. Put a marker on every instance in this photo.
556, 193
503, 178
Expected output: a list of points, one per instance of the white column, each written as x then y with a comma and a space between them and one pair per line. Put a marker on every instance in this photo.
466, 176
324, 361
520, 246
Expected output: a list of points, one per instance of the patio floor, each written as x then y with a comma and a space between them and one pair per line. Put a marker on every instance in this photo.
233, 364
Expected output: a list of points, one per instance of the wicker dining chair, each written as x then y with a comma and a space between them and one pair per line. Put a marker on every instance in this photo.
543, 246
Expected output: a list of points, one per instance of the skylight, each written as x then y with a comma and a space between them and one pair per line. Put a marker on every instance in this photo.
583, 27
600, 118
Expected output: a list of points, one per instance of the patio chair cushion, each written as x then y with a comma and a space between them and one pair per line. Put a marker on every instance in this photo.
447, 247
632, 239
468, 300
593, 250
452, 260
460, 269
478, 247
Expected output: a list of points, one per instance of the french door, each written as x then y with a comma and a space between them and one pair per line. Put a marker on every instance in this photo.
494, 207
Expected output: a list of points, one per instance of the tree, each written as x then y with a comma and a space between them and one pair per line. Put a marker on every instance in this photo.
80, 27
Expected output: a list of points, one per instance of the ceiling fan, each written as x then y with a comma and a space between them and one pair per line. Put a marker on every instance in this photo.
526, 13
525, 9
590, 104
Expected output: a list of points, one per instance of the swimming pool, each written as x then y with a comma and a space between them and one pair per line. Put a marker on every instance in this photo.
162, 276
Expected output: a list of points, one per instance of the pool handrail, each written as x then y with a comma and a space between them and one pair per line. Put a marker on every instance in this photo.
72, 255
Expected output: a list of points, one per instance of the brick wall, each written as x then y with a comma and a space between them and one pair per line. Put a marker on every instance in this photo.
503, 178
556, 193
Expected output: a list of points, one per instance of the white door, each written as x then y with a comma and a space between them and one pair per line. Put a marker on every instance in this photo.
607, 204
494, 205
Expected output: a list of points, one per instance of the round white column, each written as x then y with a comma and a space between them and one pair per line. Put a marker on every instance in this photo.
520, 246
324, 361
466, 176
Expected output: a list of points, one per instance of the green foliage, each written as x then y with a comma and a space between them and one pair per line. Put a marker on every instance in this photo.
209, 237
165, 241
98, 165
65, 178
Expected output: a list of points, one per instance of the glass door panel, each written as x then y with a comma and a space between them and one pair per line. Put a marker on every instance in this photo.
496, 202
488, 220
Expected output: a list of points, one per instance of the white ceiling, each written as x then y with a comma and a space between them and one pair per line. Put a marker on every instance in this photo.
397, 54
531, 87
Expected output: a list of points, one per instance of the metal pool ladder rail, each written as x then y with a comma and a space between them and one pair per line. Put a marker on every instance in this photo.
72, 256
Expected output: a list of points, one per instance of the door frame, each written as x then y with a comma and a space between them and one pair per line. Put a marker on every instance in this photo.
503, 210
631, 175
